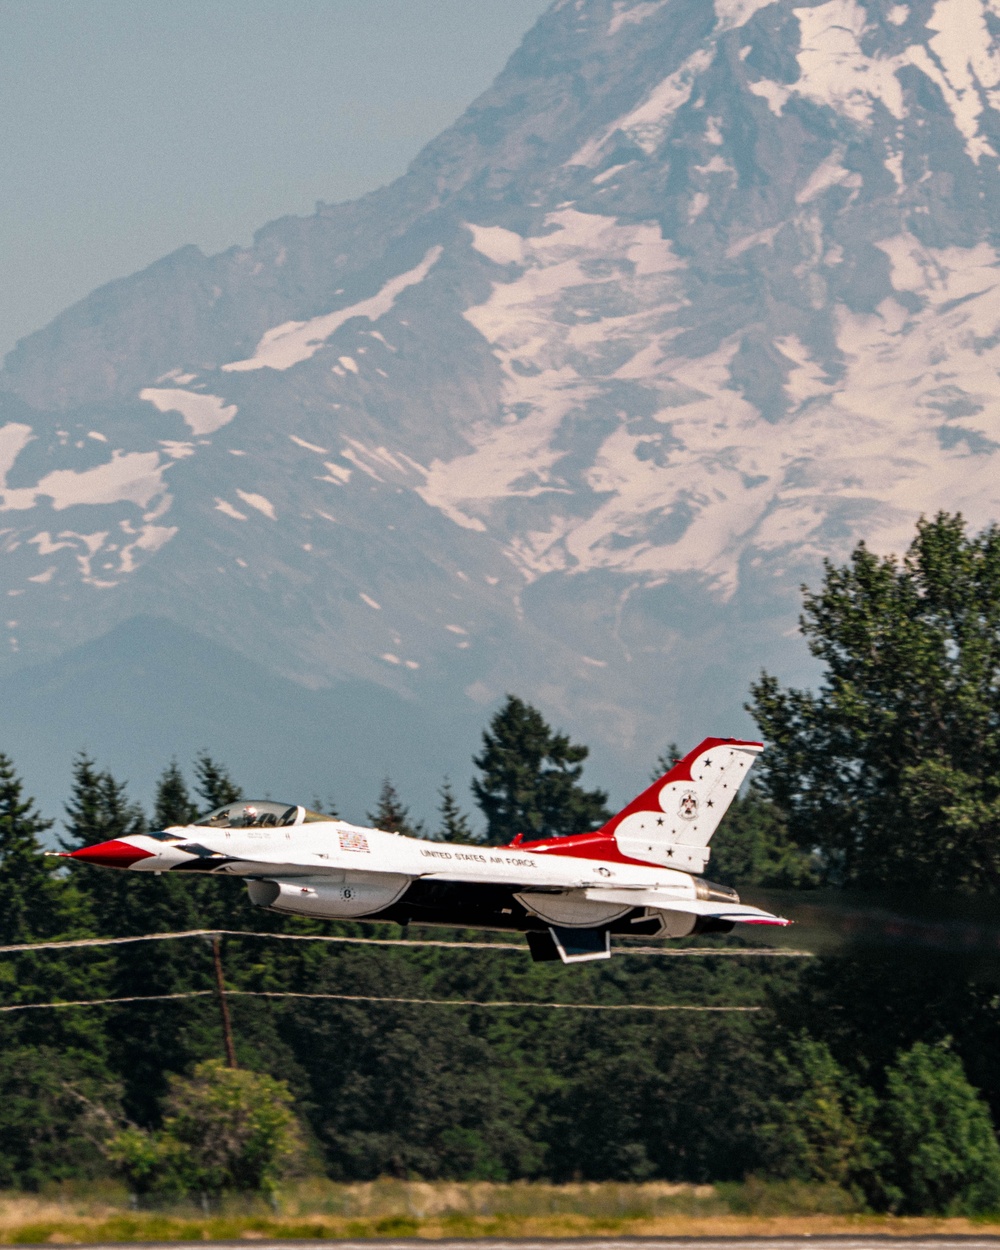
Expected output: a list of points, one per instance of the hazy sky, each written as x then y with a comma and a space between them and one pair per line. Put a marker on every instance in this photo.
129, 128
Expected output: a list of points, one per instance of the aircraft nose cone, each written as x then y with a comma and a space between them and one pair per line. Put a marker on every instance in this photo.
114, 854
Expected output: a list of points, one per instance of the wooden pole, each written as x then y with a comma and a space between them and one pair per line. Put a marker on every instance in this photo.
227, 1028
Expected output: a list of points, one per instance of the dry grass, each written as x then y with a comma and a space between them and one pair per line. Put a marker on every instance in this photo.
321, 1209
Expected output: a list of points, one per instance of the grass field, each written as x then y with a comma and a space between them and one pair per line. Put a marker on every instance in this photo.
390, 1208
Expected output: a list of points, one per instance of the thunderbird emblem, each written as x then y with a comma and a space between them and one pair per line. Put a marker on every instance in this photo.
688, 809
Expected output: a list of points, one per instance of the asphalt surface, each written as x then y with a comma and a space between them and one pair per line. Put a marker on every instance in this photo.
847, 1242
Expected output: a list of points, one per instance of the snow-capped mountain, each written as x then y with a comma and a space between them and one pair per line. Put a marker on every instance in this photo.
695, 295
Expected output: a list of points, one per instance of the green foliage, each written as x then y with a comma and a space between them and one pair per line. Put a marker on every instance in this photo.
392, 815
58, 1108
225, 1129
753, 847
893, 769
678, 1100
152, 1163
390, 1088
818, 1118
530, 779
941, 1153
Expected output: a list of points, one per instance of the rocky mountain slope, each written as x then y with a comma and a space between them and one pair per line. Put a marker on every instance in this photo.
692, 297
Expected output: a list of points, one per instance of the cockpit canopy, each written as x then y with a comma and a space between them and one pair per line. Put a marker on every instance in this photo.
258, 814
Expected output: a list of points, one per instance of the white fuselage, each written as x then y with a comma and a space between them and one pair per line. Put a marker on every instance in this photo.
325, 849
636, 875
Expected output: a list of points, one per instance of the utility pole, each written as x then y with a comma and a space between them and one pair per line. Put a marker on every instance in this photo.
227, 1028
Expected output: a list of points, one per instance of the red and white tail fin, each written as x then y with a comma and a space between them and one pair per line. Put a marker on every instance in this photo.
672, 822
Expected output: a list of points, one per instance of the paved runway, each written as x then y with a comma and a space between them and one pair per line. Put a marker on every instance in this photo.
845, 1242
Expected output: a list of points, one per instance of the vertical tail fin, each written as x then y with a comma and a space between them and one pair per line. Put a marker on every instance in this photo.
672, 822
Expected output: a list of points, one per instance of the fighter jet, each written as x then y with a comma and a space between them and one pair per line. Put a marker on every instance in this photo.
637, 876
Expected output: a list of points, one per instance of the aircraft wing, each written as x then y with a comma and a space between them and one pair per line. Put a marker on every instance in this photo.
740, 913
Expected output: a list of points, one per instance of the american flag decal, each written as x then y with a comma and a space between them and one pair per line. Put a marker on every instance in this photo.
351, 841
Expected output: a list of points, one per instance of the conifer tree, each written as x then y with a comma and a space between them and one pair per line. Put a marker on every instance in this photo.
392, 815
665, 761
84, 809
34, 902
326, 807
39, 901
173, 802
455, 825
132, 903
99, 809
213, 783
530, 781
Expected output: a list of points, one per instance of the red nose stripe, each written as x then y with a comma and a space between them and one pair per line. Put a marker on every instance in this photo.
111, 854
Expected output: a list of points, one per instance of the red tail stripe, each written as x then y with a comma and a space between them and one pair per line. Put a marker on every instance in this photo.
601, 843
649, 800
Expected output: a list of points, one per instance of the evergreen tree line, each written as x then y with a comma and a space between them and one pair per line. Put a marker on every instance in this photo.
870, 1069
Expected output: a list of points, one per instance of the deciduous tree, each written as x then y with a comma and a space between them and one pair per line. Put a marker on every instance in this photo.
817, 1124
941, 1150
225, 1129
892, 769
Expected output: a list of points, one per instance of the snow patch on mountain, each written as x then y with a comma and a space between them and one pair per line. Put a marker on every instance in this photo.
970, 65
204, 414
647, 124
836, 72
227, 509
292, 342
708, 482
501, 246
260, 502
301, 442
14, 437
626, 14
148, 541
732, 14
117, 559
545, 327
128, 477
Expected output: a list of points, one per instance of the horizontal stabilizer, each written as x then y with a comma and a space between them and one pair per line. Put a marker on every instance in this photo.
738, 913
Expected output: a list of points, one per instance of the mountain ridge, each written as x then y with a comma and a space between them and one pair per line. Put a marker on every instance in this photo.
691, 299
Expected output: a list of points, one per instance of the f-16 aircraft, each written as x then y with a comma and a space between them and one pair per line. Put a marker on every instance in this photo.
637, 876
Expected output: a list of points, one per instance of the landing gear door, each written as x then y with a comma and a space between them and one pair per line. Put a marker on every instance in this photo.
576, 946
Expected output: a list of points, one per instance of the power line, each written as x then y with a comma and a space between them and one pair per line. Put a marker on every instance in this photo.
655, 951
370, 998
215, 934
